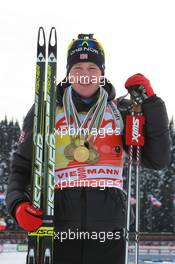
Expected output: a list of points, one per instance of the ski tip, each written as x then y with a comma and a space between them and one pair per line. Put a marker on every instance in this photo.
41, 37
41, 28
53, 28
53, 37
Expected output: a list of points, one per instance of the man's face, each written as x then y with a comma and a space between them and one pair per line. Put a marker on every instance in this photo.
85, 78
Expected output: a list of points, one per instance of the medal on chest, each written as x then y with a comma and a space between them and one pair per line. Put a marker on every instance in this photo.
85, 151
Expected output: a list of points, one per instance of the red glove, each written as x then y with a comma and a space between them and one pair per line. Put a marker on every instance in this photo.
140, 85
28, 217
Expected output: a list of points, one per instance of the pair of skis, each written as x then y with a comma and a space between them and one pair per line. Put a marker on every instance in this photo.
40, 243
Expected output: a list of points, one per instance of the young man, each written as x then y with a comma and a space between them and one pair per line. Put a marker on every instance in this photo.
89, 193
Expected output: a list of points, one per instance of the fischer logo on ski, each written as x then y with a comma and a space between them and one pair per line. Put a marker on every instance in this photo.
38, 171
51, 175
40, 242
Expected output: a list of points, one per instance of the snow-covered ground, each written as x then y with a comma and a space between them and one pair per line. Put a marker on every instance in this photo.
19, 258
12, 258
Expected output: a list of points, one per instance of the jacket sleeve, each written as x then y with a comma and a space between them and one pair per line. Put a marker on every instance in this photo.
20, 172
155, 153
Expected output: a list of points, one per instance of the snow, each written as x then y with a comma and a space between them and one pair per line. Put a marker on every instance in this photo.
12, 258
19, 258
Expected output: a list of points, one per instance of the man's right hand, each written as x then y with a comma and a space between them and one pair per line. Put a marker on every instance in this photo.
28, 217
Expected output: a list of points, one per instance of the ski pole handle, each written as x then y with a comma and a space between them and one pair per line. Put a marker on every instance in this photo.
134, 130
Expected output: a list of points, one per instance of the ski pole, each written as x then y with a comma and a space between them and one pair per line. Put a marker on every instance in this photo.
134, 137
128, 200
137, 221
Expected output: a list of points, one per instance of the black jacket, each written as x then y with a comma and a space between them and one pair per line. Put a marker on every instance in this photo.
85, 207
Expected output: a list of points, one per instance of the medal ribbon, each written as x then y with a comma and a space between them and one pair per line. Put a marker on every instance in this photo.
97, 109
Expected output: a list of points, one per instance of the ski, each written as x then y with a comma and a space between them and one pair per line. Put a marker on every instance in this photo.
46, 240
40, 242
38, 139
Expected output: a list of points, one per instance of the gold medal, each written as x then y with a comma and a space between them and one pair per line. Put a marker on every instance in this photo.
69, 151
81, 154
95, 115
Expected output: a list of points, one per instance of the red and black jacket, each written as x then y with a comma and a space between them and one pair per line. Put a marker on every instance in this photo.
88, 208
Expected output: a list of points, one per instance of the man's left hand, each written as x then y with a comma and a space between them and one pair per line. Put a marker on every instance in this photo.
139, 87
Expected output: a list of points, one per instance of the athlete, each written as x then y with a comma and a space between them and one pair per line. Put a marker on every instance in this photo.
90, 202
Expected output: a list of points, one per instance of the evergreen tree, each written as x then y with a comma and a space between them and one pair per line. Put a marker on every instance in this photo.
9, 135
166, 218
